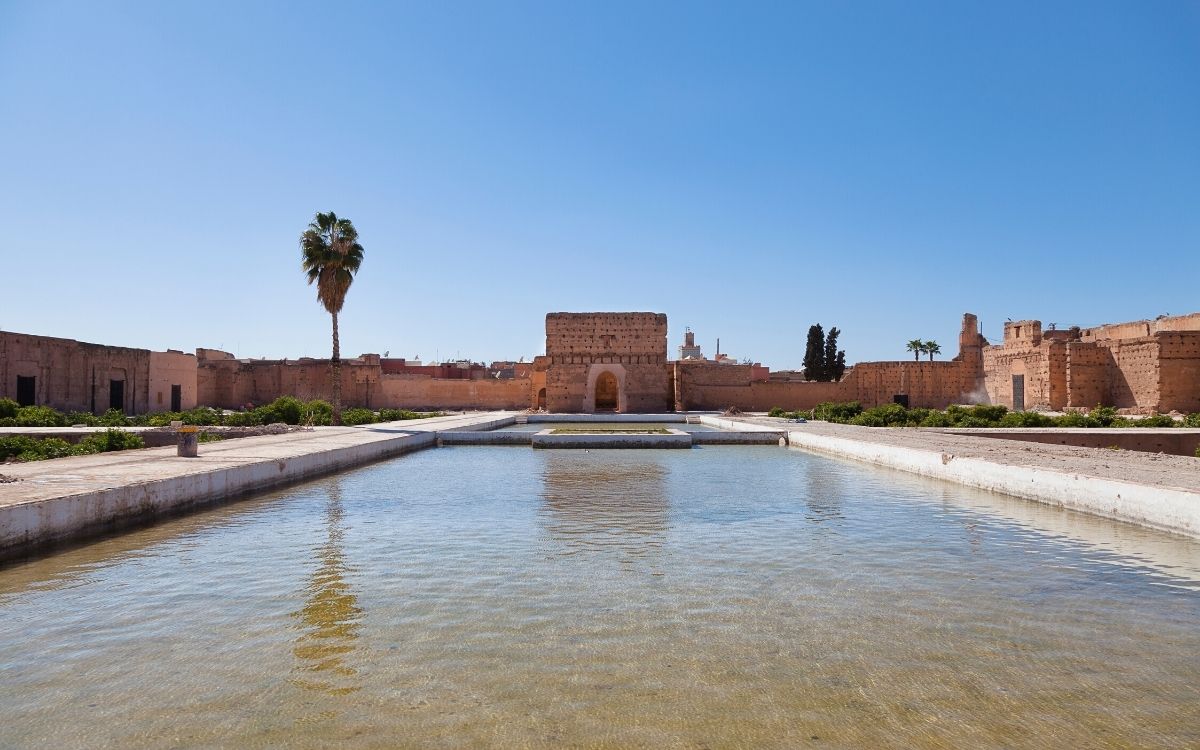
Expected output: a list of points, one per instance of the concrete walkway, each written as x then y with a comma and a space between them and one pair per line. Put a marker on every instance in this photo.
1155, 490
81, 496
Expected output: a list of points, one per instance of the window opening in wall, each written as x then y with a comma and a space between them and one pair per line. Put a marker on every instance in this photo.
26, 390
177, 398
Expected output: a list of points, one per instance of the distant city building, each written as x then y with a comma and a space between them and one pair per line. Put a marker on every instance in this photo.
689, 350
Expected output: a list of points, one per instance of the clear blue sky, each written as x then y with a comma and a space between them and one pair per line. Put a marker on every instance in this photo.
747, 168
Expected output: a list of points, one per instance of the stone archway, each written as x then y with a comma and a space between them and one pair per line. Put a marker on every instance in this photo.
607, 392
596, 395
541, 399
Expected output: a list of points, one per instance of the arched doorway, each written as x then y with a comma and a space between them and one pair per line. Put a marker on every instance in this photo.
607, 392
541, 399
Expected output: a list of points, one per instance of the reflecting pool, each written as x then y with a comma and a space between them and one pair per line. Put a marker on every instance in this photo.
717, 597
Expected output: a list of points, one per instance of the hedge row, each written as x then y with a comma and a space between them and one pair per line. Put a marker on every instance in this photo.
285, 409
895, 415
22, 448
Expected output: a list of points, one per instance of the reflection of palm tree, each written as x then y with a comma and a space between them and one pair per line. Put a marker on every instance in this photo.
330, 615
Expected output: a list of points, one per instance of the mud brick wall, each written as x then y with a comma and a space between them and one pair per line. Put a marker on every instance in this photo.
1179, 371
73, 375
1133, 374
630, 346
1088, 375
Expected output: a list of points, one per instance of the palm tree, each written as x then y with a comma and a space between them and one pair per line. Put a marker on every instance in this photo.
917, 347
330, 256
932, 348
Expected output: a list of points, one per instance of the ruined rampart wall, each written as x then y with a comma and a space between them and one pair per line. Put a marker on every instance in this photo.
1179, 370
168, 369
1133, 374
430, 394
700, 386
233, 384
72, 375
1088, 368
582, 347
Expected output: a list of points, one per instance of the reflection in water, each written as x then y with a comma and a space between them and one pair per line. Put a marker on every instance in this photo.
331, 615
718, 597
823, 496
593, 504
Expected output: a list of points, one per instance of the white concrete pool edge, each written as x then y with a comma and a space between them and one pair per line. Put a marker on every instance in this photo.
1172, 510
89, 495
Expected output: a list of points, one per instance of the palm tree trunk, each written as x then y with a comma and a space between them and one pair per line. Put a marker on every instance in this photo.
335, 365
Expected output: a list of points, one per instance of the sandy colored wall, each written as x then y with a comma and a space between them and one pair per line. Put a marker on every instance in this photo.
422, 393
1088, 368
1133, 374
701, 386
1179, 371
232, 384
73, 375
631, 346
168, 369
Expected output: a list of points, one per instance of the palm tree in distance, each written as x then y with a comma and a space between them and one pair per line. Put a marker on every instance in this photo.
917, 347
330, 256
932, 348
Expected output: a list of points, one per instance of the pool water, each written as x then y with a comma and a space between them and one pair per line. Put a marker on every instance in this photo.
602, 426
718, 597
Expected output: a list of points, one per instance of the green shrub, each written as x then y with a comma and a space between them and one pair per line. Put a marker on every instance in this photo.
320, 412
8, 408
81, 417
33, 449
1192, 420
837, 412
40, 416
888, 415
1104, 416
973, 421
396, 415
352, 417
1198, 451
158, 419
210, 437
988, 412
114, 418
1025, 419
937, 419
201, 416
774, 412
1156, 420
286, 409
917, 416
242, 419
1074, 419
8, 422
109, 440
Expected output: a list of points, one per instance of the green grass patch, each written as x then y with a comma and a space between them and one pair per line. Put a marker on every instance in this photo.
610, 431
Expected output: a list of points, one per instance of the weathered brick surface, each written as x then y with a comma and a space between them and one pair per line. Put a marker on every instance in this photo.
1142, 366
632, 347
75, 376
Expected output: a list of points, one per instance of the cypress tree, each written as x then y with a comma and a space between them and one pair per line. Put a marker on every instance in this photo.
831, 352
839, 365
814, 353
